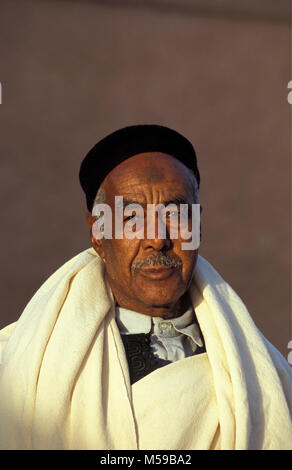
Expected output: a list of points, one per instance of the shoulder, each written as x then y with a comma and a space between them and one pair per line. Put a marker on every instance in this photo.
5, 334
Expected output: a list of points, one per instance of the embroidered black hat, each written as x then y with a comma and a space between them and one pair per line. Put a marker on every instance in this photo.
127, 142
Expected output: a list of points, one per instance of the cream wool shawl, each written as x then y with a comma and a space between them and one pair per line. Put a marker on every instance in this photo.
64, 382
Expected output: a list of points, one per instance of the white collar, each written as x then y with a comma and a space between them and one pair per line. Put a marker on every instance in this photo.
130, 322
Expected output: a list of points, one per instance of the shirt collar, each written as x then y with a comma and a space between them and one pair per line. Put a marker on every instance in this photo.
130, 322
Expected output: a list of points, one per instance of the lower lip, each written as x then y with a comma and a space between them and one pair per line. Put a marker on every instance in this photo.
157, 274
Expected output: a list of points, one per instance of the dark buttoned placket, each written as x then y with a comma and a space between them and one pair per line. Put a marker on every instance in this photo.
141, 360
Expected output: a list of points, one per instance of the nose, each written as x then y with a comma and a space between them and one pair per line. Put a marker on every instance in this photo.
156, 236
156, 244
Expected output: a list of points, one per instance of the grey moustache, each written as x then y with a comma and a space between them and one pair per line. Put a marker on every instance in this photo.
159, 260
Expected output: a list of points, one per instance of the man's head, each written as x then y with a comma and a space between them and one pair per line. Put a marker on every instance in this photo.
148, 275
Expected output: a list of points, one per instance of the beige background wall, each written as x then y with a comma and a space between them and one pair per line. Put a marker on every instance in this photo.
73, 71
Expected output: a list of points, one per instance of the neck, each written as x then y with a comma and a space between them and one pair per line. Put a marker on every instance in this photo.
163, 311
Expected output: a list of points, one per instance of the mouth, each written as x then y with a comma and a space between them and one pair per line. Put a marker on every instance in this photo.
158, 272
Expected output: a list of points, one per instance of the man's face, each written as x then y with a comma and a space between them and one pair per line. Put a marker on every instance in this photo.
149, 276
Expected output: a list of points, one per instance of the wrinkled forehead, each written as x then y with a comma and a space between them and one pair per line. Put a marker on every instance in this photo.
147, 170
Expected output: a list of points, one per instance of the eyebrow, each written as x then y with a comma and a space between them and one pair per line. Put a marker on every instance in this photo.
176, 200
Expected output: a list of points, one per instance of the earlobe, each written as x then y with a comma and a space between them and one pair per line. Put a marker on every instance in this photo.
97, 245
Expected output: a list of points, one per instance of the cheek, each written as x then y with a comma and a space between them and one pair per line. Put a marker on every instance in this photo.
119, 255
189, 259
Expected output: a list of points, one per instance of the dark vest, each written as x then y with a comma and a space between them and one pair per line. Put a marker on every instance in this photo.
141, 359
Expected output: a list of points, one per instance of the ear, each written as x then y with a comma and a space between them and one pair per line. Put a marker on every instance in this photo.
96, 243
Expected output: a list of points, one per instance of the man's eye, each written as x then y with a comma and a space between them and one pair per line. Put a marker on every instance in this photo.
130, 217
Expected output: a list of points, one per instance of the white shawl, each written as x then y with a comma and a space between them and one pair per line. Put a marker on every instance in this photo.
64, 382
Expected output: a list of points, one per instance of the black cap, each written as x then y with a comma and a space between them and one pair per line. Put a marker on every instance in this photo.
127, 142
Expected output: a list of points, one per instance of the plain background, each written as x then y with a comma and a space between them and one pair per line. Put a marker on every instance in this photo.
74, 71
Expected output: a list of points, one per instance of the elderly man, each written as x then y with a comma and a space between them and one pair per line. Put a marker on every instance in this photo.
137, 342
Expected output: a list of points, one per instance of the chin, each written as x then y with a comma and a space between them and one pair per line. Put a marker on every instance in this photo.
158, 300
